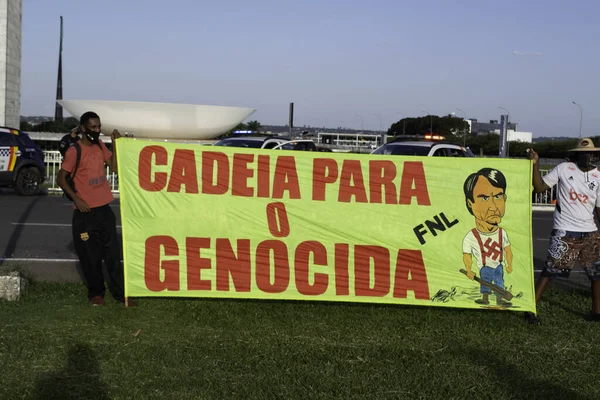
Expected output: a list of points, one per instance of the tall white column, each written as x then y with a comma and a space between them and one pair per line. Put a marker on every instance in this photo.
10, 62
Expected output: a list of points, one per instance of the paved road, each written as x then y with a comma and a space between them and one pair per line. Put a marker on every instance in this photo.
35, 233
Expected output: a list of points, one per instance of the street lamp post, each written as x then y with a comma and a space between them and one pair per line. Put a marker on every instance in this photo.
507, 128
362, 122
380, 128
380, 122
580, 118
465, 133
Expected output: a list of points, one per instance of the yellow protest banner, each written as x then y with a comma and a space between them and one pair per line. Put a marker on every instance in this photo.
222, 222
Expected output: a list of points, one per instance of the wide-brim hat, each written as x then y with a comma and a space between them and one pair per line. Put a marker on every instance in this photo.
585, 144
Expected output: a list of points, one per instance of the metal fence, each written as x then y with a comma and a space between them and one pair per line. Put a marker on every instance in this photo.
53, 161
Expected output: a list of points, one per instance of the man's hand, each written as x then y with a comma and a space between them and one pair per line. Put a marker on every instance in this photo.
75, 131
115, 135
509, 269
81, 204
471, 275
532, 155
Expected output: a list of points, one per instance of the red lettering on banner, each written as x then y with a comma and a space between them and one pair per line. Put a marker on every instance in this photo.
413, 172
264, 176
342, 284
145, 179
325, 171
240, 175
281, 275
352, 183
286, 178
301, 260
209, 159
410, 263
381, 176
228, 264
372, 268
183, 172
153, 264
196, 263
276, 212
362, 271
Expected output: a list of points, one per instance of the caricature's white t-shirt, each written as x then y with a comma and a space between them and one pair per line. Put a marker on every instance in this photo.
490, 245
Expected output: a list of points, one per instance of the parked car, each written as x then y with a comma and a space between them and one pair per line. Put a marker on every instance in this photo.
427, 146
268, 142
21, 162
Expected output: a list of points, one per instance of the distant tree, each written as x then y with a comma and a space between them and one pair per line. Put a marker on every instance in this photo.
448, 126
26, 126
58, 127
254, 126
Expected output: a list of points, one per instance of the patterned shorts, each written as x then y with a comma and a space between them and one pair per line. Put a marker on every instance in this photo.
566, 248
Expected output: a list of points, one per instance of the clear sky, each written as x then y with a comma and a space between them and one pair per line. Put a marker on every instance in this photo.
334, 59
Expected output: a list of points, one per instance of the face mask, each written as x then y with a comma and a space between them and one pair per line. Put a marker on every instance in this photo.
587, 160
92, 136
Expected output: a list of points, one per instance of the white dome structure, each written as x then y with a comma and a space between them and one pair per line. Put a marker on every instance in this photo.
161, 120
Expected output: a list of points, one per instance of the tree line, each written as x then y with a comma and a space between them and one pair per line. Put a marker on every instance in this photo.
454, 129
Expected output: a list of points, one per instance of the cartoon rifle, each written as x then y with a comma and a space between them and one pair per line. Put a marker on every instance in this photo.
495, 288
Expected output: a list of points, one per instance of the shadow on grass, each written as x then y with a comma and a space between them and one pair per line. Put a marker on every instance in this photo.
79, 379
519, 381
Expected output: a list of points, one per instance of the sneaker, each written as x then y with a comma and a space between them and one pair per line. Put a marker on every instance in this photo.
531, 318
97, 301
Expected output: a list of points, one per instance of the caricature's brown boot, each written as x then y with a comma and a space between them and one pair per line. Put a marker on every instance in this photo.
484, 300
503, 303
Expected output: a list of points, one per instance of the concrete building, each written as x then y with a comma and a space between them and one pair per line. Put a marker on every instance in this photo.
477, 128
10, 62
485, 128
518, 136
364, 142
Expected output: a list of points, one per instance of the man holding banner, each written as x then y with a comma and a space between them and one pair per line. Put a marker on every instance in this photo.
94, 223
574, 236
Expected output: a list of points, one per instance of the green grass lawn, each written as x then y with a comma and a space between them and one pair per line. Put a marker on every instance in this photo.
53, 345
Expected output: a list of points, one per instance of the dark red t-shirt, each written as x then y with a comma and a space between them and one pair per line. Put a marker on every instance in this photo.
91, 182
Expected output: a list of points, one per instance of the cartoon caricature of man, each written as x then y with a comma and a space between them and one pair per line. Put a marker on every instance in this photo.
487, 243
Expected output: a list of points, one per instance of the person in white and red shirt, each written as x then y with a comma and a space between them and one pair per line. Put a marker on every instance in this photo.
574, 235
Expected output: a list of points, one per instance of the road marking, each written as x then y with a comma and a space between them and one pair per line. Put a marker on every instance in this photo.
46, 224
572, 271
40, 224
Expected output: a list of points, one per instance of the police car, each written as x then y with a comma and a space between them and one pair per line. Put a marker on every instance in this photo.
21, 162
427, 146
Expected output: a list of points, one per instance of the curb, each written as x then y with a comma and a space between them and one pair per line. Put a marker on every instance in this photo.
546, 208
